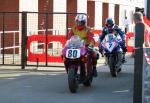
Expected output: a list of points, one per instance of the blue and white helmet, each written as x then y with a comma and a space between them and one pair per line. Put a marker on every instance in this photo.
110, 22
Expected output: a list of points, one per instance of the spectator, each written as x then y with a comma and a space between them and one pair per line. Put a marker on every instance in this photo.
138, 18
126, 25
146, 20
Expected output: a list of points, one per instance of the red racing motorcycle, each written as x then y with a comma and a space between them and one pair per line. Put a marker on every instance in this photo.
78, 63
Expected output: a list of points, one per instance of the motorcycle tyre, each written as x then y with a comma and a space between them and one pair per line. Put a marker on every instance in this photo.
72, 80
88, 81
89, 77
119, 70
112, 67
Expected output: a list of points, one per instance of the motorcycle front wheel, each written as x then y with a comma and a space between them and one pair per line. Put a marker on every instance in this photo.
72, 80
112, 66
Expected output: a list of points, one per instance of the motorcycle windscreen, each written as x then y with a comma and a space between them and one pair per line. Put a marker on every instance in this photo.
110, 42
75, 42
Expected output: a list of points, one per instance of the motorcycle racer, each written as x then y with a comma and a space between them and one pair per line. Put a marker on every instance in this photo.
111, 27
85, 33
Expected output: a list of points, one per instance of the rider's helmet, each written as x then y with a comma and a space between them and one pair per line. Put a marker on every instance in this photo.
81, 21
109, 22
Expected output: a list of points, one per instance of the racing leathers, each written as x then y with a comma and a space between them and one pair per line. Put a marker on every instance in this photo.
117, 31
87, 35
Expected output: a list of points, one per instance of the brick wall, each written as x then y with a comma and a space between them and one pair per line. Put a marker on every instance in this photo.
11, 22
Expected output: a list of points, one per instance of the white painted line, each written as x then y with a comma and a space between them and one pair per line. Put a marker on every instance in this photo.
122, 91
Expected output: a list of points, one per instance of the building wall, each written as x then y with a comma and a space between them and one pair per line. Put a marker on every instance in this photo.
91, 13
71, 8
59, 20
105, 11
98, 15
11, 20
11, 23
9, 5
111, 12
117, 14
128, 11
32, 18
98, 11
81, 6
124, 5
45, 6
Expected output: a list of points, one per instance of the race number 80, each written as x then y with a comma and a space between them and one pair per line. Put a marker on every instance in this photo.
73, 53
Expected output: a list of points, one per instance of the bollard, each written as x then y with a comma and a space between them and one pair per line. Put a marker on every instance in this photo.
37, 62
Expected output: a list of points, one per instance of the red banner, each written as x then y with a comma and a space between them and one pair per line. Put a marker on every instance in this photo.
41, 57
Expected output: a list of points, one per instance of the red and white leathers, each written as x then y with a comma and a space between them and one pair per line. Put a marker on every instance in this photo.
87, 35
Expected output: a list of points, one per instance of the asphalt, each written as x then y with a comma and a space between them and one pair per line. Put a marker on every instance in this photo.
49, 85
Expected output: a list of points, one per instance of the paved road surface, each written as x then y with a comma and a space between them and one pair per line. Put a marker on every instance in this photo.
30, 86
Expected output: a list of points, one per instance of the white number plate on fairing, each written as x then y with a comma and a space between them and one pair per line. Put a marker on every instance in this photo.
110, 46
73, 53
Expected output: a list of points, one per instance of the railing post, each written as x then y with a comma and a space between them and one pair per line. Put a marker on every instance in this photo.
148, 9
67, 26
46, 32
24, 40
0, 46
3, 37
14, 44
37, 62
138, 63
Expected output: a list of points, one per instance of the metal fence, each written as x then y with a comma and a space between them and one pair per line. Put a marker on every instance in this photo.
9, 38
17, 27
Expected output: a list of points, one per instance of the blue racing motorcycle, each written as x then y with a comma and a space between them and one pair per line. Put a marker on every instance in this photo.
113, 53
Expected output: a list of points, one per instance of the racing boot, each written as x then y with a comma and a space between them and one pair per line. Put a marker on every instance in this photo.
94, 71
82, 73
123, 58
119, 63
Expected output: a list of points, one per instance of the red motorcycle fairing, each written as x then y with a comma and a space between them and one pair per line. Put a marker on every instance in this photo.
77, 61
69, 63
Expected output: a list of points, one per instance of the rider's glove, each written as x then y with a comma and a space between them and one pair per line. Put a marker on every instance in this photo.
100, 50
90, 46
123, 41
125, 49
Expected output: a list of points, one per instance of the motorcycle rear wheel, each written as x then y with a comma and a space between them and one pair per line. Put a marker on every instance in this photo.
88, 81
89, 77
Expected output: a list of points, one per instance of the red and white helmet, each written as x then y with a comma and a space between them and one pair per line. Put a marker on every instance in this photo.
81, 19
